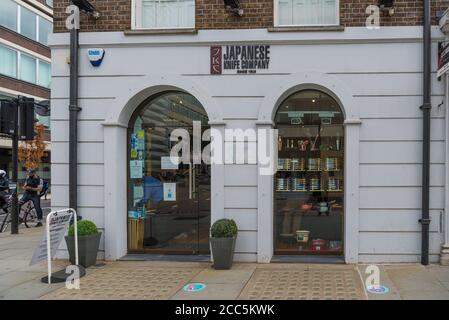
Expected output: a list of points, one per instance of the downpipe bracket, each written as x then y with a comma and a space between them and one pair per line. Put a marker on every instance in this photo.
426, 106
74, 108
425, 221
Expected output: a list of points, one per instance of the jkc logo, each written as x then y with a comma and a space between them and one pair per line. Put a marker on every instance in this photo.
215, 60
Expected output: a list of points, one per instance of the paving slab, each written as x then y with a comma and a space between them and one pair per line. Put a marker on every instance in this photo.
213, 291
28, 291
15, 278
385, 280
233, 276
416, 282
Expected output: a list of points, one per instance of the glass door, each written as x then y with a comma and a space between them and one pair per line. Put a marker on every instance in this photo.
168, 200
309, 183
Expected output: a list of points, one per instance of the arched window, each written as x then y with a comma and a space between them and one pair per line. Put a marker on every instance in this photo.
168, 201
309, 184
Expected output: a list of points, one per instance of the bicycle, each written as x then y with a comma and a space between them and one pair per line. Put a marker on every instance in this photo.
27, 215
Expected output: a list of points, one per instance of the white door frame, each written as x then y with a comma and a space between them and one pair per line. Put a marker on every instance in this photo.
339, 91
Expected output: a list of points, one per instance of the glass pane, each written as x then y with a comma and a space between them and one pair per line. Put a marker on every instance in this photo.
148, 14
27, 23
8, 14
168, 13
27, 68
44, 74
168, 203
307, 12
8, 62
309, 184
45, 28
285, 12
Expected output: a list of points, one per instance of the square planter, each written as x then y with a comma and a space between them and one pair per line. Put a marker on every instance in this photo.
87, 249
223, 252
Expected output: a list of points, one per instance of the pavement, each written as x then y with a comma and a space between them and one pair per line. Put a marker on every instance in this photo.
130, 280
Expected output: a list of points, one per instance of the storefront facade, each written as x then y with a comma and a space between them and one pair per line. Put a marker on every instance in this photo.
348, 150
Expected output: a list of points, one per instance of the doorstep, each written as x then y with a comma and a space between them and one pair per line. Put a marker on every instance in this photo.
162, 257
308, 259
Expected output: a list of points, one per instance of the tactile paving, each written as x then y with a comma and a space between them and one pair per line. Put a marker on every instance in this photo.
304, 284
134, 283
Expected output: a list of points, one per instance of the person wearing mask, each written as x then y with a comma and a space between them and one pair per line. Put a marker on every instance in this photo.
33, 187
4, 188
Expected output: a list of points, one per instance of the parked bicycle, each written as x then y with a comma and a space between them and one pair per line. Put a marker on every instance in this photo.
27, 214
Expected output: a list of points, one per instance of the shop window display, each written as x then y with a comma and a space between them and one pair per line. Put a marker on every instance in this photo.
309, 183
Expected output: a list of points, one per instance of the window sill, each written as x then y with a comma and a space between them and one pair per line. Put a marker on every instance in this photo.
307, 29
160, 31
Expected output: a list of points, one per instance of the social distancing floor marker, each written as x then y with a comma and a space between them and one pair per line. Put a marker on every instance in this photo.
378, 289
194, 287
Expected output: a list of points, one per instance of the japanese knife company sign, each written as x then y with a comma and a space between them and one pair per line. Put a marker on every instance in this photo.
239, 59
59, 222
443, 59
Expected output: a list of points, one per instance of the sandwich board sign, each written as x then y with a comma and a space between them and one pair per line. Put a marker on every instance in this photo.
56, 227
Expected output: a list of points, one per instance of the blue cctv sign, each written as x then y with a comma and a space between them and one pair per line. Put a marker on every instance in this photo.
96, 56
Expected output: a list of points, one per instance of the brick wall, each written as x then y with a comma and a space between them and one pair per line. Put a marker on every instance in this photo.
210, 14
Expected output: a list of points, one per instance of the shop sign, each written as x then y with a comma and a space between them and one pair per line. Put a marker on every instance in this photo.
443, 58
239, 59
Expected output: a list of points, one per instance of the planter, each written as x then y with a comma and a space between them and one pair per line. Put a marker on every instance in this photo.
87, 249
223, 252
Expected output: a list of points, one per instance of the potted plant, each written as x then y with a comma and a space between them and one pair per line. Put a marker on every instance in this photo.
88, 243
223, 237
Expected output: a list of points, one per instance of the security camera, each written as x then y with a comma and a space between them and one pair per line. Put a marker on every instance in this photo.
387, 6
234, 7
86, 6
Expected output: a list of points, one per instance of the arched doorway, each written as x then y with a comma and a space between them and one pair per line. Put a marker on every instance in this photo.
168, 202
309, 183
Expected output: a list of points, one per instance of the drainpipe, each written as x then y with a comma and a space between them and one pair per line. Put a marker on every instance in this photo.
426, 108
73, 120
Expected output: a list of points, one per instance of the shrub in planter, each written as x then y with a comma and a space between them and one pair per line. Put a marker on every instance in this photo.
88, 243
223, 237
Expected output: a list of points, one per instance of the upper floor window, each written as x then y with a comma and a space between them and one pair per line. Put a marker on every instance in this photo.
25, 21
307, 12
163, 14
8, 14
20, 65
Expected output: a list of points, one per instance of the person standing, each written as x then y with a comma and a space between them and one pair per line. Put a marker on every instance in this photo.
33, 187
4, 188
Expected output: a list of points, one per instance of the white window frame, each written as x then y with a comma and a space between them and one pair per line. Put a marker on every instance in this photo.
136, 19
276, 18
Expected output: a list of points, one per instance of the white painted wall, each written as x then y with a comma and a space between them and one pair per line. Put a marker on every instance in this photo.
375, 74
